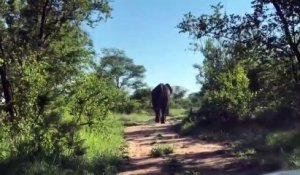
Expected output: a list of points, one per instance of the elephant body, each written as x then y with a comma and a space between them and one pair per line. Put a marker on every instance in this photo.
161, 101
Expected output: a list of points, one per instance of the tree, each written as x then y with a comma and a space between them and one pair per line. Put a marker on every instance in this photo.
225, 92
178, 92
194, 99
37, 30
116, 66
143, 96
44, 55
265, 40
272, 30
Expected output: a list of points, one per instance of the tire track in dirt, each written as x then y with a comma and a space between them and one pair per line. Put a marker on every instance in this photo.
189, 153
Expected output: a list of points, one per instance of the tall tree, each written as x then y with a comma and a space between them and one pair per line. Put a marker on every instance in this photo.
121, 70
178, 92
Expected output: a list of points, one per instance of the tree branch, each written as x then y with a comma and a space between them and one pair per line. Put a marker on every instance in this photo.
43, 19
285, 27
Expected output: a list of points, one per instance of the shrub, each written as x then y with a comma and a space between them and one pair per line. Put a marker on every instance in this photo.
161, 150
187, 127
232, 97
283, 140
295, 157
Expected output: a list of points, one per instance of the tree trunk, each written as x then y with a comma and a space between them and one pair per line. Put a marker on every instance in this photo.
6, 86
7, 93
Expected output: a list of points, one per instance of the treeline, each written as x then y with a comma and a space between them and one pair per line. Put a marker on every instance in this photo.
251, 62
250, 78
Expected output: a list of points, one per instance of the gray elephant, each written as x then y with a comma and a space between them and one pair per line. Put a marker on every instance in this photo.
161, 101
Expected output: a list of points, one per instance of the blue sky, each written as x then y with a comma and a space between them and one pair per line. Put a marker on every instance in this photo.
146, 31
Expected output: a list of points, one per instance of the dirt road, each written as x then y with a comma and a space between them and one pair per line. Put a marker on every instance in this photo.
190, 156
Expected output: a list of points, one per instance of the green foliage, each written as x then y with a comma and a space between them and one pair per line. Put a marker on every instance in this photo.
295, 158
44, 168
120, 69
194, 100
134, 118
251, 74
128, 106
283, 140
285, 145
104, 145
178, 98
232, 95
92, 97
176, 112
245, 154
161, 150
225, 93
56, 106
178, 92
143, 97
270, 60
103, 141
187, 128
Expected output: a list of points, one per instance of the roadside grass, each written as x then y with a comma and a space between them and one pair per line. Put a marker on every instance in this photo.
134, 118
268, 149
148, 117
102, 153
104, 145
177, 112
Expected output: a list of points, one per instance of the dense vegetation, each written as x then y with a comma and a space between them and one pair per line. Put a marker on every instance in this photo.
60, 108
250, 78
58, 102
55, 107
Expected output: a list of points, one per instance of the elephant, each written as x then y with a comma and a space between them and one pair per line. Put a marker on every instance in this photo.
161, 101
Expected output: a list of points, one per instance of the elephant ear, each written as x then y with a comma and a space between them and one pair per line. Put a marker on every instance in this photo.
171, 90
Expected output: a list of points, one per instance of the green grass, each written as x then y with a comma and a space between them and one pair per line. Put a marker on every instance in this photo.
148, 117
134, 118
104, 145
177, 112
161, 150
103, 154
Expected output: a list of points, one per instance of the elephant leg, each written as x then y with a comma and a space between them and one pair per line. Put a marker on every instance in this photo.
165, 113
157, 115
163, 116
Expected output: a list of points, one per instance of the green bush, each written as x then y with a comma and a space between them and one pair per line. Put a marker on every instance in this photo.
295, 157
187, 127
104, 141
231, 100
283, 140
161, 150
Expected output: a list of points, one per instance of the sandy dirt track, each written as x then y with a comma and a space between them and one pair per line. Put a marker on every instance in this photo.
190, 155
